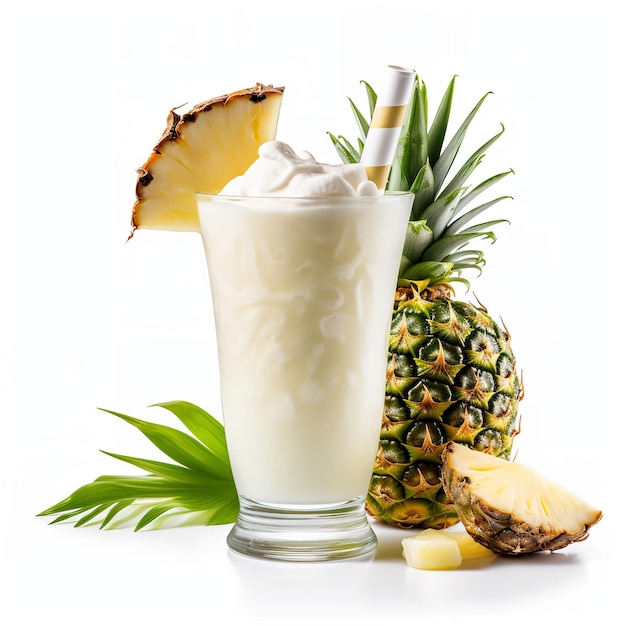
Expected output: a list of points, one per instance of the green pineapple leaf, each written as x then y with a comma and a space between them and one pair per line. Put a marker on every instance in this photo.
465, 255
467, 259
412, 151
371, 97
439, 127
355, 153
471, 164
362, 124
479, 229
441, 211
200, 481
424, 189
446, 245
456, 225
422, 163
432, 270
418, 237
346, 151
444, 163
478, 189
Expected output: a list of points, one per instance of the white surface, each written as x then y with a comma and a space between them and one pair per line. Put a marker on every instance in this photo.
87, 320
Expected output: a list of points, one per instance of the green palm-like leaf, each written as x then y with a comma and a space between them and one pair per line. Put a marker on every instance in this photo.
179, 446
158, 468
200, 424
200, 481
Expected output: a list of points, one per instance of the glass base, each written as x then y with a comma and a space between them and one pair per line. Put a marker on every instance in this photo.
307, 534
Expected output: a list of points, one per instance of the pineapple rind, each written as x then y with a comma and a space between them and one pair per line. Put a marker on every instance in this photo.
199, 152
510, 508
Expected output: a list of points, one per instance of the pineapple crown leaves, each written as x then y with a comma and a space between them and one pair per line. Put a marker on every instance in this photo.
199, 484
443, 218
348, 152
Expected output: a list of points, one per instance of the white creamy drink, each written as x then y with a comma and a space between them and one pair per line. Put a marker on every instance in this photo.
302, 283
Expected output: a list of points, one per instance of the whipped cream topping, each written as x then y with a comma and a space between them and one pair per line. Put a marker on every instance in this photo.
279, 171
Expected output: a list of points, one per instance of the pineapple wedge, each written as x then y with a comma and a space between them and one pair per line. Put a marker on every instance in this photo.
509, 507
200, 151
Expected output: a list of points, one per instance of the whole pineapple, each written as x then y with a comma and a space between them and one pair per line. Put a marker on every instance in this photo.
451, 375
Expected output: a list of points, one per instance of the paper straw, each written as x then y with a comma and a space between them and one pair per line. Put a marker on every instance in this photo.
384, 132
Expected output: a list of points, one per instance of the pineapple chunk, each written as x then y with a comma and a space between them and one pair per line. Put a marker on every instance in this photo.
432, 550
509, 507
469, 547
200, 151
437, 549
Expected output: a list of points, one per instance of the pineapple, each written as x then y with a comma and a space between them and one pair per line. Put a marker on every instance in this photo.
438, 549
451, 373
200, 151
431, 550
510, 508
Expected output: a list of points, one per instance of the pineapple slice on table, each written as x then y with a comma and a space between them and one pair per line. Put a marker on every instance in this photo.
200, 151
511, 508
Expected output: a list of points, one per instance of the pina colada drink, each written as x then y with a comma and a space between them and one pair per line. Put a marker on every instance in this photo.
302, 285
294, 288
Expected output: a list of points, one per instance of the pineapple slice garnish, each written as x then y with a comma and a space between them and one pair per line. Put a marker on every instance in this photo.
511, 508
200, 151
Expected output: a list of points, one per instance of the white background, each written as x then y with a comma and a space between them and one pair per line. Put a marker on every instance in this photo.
87, 320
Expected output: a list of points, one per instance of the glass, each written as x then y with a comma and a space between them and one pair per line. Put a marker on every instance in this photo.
302, 294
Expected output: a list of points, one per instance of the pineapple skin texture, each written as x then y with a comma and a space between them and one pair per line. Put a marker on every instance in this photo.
451, 376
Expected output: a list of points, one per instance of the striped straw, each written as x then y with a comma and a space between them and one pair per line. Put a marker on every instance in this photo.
382, 137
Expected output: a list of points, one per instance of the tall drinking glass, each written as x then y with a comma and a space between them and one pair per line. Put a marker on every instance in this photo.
302, 294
